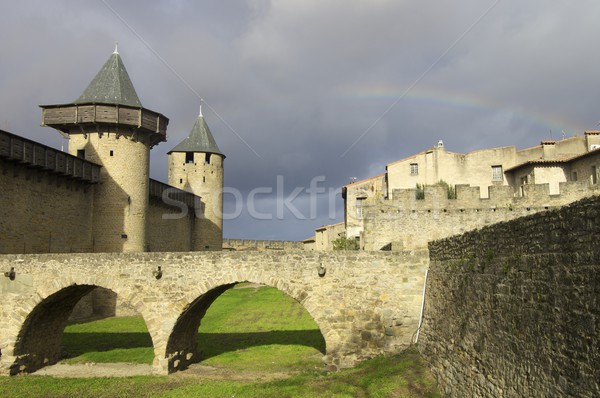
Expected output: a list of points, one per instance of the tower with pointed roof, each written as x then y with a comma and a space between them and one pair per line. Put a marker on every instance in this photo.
109, 126
196, 165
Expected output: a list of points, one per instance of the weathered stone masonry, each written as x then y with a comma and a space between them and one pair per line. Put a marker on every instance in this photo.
513, 310
366, 304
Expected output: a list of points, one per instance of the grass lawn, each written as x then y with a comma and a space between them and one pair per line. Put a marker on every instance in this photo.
400, 376
246, 329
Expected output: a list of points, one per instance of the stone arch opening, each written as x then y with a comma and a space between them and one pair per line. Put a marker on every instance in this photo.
41, 338
39, 342
182, 347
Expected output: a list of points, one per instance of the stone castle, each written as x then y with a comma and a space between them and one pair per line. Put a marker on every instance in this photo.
99, 197
507, 310
437, 193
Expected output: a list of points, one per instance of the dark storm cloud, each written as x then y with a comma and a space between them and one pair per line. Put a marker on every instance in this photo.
301, 81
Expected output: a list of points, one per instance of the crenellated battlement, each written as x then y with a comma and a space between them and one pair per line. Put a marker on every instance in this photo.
469, 198
252, 244
406, 222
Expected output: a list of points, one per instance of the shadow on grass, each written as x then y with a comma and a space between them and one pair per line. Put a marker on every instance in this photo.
211, 344
76, 344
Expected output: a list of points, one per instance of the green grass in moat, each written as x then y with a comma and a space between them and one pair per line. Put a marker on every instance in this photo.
404, 375
254, 328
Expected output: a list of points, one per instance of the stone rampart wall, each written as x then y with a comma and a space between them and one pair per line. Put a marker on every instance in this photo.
42, 211
513, 310
406, 223
252, 244
48, 212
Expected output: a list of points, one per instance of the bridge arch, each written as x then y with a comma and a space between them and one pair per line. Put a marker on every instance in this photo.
44, 316
181, 349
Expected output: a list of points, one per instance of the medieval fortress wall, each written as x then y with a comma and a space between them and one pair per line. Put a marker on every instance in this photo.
407, 222
48, 205
438, 193
34, 217
513, 309
99, 197
260, 245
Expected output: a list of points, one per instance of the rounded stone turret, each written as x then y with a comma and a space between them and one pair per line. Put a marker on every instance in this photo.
107, 125
196, 166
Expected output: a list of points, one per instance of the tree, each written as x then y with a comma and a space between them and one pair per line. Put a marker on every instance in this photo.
343, 243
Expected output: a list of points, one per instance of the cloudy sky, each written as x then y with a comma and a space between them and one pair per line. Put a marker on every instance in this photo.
313, 90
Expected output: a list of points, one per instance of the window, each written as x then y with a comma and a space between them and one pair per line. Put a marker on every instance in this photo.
111, 153
574, 176
189, 157
594, 176
497, 173
359, 207
81, 153
414, 169
207, 158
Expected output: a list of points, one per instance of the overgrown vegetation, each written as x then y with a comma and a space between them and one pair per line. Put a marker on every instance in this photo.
244, 330
420, 191
343, 243
450, 190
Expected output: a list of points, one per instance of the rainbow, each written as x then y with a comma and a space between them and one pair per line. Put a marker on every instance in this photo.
433, 96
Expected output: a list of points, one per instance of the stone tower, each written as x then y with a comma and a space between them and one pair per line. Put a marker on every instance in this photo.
109, 126
196, 165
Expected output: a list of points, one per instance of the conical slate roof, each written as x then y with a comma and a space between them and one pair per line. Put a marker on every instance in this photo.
200, 139
111, 85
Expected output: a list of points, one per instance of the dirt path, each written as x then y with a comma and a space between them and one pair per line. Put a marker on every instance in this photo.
131, 369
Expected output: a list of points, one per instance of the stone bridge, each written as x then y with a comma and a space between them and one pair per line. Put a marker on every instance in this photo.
365, 304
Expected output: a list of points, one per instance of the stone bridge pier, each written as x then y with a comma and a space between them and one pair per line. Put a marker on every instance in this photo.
365, 303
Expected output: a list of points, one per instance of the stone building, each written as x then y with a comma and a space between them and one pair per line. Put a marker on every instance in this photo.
99, 196
437, 193
325, 235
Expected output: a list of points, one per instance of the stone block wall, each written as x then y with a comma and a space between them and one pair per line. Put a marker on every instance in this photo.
406, 223
252, 244
169, 229
48, 211
513, 309
41, 211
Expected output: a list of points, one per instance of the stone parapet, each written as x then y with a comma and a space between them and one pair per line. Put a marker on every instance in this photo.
406, 222
254, 244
